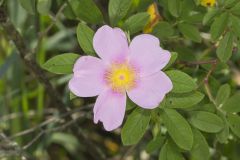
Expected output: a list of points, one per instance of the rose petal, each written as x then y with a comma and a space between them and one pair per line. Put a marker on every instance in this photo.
147, 55
110, 43
87, 80
150, 90
110, 109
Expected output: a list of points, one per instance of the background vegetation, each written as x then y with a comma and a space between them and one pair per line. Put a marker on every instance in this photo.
40, 119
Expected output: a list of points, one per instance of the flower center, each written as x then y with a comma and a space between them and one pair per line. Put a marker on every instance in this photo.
121, 77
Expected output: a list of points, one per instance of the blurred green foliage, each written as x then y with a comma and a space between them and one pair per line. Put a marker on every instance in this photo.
198, 120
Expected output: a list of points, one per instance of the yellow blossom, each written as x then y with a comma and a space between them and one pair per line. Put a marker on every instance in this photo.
154, 18
208, 3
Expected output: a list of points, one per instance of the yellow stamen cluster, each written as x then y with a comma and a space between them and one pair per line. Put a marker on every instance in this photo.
208, 3
121, 77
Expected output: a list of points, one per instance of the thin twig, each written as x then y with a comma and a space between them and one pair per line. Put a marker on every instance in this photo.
206, 83
193, 63
51, 120
30, 113
33, 141
30, 130
128, 152
214, 65
9, 148
209, 93
42, 132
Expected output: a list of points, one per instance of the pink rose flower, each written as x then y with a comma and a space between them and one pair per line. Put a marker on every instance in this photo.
121, 70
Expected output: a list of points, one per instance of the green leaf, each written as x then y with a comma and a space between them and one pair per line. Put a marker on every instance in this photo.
182, 82
87, 10
185, 7
173, 58
178, 128
136, 22
117, 9
190, 31
232, 104
210, 107
221, 2
210, 15
130, 104
170, 152
29, 5
173, 7
183, 100
72, 96
195, 18
235, 10
163, 30
235, 24
155, 143
200, 149
222, 136
85, 38
135, 126
68, 12
223, 94
61, 64
219, 25
234, 122
230, 3
206, 121
224, 50
43, 6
